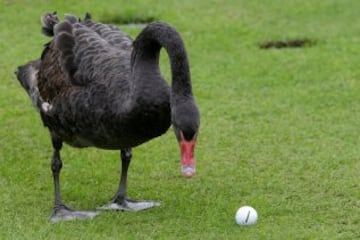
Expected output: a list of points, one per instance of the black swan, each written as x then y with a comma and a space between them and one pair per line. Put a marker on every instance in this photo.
94, 86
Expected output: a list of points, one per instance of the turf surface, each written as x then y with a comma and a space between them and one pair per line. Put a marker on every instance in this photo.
279, 131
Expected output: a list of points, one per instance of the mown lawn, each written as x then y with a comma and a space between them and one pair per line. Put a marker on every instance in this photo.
279, 127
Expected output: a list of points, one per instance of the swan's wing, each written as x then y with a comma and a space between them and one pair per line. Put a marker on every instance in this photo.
111, 34
52, 77
94, 53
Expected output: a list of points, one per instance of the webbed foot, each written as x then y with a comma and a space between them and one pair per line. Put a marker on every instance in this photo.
130, 205
63, 213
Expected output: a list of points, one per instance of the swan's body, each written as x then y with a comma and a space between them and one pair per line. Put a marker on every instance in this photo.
94, 87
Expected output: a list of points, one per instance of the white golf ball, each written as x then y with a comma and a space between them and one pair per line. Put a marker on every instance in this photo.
246, 216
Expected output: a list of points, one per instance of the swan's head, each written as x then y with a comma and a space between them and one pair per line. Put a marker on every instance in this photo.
186, 123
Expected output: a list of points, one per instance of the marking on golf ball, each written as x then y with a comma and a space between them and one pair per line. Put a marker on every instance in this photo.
246, 216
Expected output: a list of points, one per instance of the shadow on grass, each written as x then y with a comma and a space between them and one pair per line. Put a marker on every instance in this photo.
292, 43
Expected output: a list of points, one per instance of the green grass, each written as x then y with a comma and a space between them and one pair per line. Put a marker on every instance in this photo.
279, 128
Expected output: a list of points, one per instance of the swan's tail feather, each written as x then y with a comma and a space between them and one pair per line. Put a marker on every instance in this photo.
71, 18
87, 17
49, 20
65, 42
27, 76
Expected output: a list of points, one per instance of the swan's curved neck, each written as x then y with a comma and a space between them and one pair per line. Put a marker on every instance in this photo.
145, 57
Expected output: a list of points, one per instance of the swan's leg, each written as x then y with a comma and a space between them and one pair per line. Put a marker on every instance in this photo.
62, 212
120, 200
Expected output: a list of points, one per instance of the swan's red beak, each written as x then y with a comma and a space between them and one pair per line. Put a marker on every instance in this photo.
187, 157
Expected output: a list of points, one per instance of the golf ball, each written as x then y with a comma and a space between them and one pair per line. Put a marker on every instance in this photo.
246, 216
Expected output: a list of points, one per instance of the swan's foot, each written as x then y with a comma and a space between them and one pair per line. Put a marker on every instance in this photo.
130, 205
64, 213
